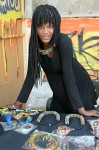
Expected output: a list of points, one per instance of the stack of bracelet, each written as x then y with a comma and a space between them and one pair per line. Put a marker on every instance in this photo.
82, 120
48, 113
44, 141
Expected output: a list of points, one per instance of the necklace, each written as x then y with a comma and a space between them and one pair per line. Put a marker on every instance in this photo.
40, 117
45, 52
44, 141
82, 120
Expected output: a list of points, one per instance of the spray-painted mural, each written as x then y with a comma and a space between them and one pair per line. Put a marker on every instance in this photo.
11, 45
10, 20
10, 9
7, 5
85, 36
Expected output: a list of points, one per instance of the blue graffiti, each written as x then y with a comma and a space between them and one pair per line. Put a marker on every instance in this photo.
7, 5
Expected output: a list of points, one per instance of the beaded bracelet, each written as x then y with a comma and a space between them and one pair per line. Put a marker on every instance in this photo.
48, 113
82, 120
25, 114
62, 130
39, 139
3, 110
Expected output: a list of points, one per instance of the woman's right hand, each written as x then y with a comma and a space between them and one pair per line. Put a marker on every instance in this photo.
88, 113
16, 105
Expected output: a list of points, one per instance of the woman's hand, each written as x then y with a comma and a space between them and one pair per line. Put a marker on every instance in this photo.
88, 113
16, 105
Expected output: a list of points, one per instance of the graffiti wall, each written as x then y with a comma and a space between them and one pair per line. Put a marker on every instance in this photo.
84, 33
11, 49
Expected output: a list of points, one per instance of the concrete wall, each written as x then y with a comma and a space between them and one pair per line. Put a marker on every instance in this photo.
67, 8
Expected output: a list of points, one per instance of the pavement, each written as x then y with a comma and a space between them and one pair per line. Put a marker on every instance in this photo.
39, 96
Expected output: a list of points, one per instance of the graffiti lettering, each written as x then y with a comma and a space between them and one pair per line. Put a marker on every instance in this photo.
7, 5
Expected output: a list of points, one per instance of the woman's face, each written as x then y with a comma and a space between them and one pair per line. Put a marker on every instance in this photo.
45, 33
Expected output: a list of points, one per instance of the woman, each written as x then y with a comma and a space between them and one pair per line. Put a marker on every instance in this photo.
73, 91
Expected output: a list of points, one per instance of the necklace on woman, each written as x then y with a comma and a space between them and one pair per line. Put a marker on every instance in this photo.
45, 52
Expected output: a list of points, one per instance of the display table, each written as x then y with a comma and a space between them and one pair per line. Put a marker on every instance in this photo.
12, 140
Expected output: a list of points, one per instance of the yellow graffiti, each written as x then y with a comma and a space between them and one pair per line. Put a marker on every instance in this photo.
11, 9
11, 12
92, 51
4, 58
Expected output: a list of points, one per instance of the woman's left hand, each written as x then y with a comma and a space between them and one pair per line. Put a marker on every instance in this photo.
92, 113
88, 113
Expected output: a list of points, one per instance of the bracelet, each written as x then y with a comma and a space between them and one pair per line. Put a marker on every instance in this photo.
43, 141
82, 120
4, 110
63, 130
24, 114
48, 113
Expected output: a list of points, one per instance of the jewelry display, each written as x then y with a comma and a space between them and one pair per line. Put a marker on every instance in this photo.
82, 120
12, 126
41, 140
25, 114
95, 127
40, 117
33, 110
79, 143
45, 52
62, 130
25, 128
8, 117
3, 110
29, 119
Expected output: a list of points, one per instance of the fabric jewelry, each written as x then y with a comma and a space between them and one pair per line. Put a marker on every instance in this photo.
37, 140
82, 120
45, 52
95, 127
62, 130
48, 113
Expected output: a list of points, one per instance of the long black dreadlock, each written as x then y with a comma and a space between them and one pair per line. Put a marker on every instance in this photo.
42, 15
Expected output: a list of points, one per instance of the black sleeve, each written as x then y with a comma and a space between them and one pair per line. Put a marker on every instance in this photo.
27, 86
66, 55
